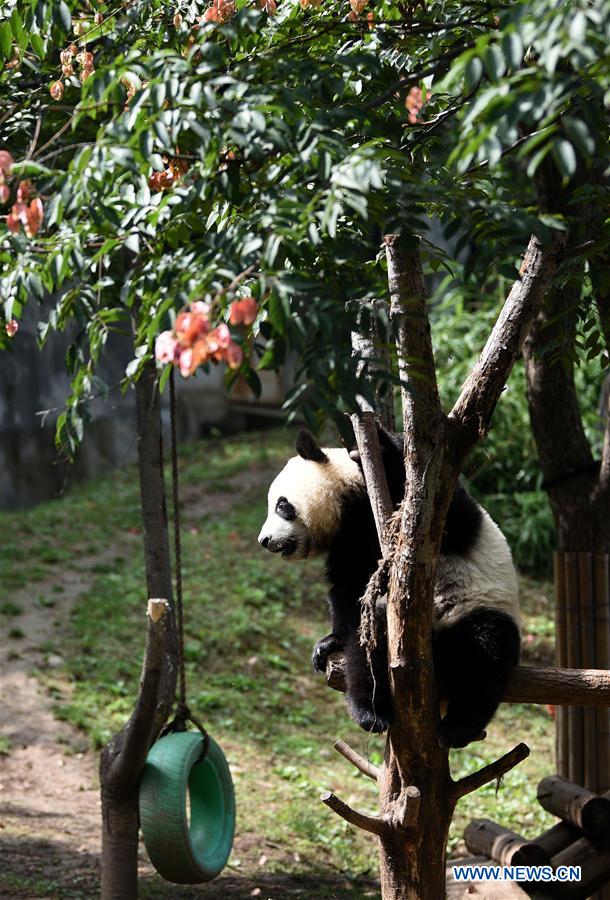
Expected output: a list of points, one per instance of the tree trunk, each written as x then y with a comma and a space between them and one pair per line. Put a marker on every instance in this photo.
578, 488
123, 758
416, 793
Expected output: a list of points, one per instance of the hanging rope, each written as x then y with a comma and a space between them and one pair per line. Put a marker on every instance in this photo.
183, 713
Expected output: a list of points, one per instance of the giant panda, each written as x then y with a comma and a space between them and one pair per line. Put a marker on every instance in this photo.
318, 506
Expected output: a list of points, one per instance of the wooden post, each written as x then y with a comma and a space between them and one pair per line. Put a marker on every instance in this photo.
558, 838
562, 716
594, 862
529, 684
575, 749
123, 757
582, 588
601, 592
487, 838
574, 804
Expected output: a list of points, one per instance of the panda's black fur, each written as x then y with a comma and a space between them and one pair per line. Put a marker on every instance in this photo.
474, 655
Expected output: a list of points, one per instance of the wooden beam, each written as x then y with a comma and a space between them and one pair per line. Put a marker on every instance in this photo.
561, 687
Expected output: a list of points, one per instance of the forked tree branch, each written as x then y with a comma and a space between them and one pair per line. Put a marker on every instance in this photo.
364, 349
409, 317
135, 740
374, 824
482, 389
369, 451
494, 770
363, 765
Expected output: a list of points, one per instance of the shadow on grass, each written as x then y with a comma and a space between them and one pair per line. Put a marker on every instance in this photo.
51, 870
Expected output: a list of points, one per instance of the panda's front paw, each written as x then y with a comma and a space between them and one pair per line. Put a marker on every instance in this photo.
369, 718
323, 649
458, 734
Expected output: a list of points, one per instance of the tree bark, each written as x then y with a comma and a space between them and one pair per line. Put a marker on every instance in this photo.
123, 758
416, 793
579, 509
529, 684
413, 858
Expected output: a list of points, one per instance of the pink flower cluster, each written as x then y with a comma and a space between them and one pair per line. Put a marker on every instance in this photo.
414, 103
29, 215
193, 340
243, 312
220, 11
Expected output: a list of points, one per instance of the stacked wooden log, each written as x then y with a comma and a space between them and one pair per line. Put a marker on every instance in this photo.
581, 838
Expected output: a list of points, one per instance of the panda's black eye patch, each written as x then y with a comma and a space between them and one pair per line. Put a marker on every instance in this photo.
285, 510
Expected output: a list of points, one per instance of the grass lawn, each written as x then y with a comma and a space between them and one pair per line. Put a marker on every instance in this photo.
251, 621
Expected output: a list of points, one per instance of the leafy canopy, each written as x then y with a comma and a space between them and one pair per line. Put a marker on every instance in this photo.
201, 152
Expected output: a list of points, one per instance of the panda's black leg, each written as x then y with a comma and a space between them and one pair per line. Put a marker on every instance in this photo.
345, 619
368, 690
474, 659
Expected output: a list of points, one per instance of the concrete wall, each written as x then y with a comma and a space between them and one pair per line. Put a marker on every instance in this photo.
32, 381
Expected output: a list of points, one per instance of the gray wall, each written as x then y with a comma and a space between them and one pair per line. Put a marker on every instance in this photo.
34, 380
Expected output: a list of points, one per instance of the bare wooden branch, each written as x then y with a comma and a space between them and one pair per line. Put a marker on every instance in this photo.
365, 431
374, 357
373, 824
362, 764
482, 389
409, 318
561, 687
494, 770
139, 731
412, 859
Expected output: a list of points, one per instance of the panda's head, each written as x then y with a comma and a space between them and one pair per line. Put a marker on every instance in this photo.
305, 501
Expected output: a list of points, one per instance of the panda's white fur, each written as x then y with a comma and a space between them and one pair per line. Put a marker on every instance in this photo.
315, 491
325, 510
484, 578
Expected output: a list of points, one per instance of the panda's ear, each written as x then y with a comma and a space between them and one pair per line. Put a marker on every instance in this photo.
389, 444
307, 448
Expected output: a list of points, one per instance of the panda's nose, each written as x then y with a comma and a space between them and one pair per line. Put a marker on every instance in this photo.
263, 542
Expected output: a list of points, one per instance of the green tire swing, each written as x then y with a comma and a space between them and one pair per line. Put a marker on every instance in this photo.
187, 849
186, 796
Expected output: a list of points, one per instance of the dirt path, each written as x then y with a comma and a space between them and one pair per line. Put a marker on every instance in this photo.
48, 778
49, 789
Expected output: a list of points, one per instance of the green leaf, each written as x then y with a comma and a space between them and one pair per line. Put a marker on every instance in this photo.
34, 285
38, 45
19, 32
579, 134
494, 62
65, 15
513, 49
472, 73
157, 96
132, 242
30, 167
565, 157
6, 40
162, 135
